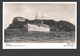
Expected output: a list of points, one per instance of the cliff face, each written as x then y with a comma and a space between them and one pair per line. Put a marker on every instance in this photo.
18, 23
21, 23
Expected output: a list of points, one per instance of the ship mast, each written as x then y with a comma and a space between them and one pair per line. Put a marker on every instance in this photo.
36, 16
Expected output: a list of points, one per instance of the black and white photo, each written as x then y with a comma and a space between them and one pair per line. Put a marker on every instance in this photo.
39, 25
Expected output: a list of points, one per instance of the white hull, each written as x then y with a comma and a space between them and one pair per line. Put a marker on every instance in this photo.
37, 28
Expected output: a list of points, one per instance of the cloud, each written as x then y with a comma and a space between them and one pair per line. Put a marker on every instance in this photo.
43, 16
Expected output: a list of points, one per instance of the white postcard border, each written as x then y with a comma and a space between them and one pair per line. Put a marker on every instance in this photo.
41, 45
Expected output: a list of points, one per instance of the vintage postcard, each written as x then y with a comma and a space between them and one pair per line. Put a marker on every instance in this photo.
39, 25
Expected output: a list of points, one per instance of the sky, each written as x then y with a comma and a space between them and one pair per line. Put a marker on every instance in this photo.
55, 11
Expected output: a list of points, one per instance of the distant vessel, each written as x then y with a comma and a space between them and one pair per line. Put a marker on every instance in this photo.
38, 27
41, 28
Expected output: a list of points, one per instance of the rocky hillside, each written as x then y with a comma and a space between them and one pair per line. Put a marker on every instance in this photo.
21, 23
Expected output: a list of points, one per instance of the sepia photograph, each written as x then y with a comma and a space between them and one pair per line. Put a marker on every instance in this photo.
39, 25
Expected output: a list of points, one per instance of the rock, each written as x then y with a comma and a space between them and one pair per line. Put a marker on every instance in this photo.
21, 23
19, 19
66, 26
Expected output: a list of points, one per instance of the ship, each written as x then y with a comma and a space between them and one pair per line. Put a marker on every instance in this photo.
39, 26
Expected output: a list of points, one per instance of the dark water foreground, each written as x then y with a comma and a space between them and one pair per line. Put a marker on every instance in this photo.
15, 36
